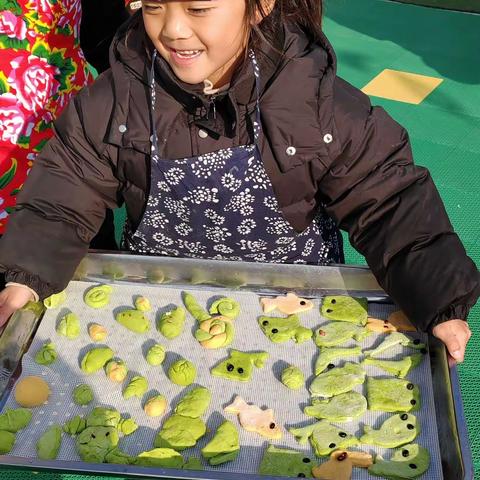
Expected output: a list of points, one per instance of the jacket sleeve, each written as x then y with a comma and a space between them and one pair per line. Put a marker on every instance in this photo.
63, 202
395, 217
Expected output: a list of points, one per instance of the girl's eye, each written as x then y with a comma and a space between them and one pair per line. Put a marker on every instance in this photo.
199, 11
151, 8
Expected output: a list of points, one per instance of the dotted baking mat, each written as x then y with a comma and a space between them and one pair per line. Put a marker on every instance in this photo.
264, 389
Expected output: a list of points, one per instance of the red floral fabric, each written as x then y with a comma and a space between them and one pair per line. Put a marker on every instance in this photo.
41, 68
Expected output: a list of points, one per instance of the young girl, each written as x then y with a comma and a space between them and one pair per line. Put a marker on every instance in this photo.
223, 127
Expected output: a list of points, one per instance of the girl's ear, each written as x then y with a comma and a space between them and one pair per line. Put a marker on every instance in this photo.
267, 7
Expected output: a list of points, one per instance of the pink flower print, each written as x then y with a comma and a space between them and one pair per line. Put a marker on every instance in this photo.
12, 26
12, 119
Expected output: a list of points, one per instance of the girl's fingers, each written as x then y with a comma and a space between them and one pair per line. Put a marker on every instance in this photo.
455, 335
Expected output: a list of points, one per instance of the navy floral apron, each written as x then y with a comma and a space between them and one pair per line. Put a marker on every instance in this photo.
221, 205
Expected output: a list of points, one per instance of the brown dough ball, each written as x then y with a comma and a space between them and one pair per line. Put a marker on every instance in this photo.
31, 392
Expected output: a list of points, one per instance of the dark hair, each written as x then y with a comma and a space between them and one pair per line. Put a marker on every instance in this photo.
305, 13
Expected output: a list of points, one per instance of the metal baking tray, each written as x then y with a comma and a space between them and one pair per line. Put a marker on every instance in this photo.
216, 277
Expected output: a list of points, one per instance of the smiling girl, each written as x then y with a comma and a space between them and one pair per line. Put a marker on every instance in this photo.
224, 129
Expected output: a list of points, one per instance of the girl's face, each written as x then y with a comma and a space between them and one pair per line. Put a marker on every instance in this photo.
199, 39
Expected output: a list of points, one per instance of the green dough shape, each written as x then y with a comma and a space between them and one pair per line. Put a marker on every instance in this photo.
37, 308
69, 326
171, 323
49, 443
103, 417
180, 432
286, 463
195, 310
55, 300
116, 370
293, 378
7, 440
394, 338
324, 437
399, 368
182, 372
74, 426
143, 304
193, 463
160, 457
98, 297
134, 320
226, 307
395, 431
127, 426
156, 355
95, 359
94, 443
341, 408
47, 354
216, 332
345, 309
224, 446
137, 387
14, 420
195, 403
116, 456
82, 394
336, 333
392, 395
239, 366
327, 355
280, 330
410, 461
338, 380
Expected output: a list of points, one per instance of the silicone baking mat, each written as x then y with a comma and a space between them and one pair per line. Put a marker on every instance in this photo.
264, 389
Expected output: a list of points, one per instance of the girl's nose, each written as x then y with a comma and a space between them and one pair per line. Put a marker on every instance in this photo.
175, 26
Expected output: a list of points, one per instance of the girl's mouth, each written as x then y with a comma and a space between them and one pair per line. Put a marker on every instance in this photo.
184, 57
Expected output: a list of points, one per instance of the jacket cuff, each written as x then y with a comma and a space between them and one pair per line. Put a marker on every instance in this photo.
42, 289
453, 312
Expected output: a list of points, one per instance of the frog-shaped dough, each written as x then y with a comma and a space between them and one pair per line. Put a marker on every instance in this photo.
224, 446
399, 368
116, 456
324, 437
293, 378
338, 380
392, 395
134, 320
180, 432
69, 326
340, 408
335, 468
95, 359
336, 333
280, 330
345, 309
409, 461
171, 323
285, 462
392, 339
239, 366
195, 403
327, 355
395, 431
98, 297
98, 437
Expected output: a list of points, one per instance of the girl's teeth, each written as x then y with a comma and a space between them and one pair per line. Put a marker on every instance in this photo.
187, 53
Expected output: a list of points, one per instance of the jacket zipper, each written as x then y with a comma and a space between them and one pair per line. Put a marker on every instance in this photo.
212, 109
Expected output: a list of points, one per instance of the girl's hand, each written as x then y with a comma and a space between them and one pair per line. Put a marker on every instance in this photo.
11, 299
454, 334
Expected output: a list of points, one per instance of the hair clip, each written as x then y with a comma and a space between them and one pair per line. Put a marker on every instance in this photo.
135, 5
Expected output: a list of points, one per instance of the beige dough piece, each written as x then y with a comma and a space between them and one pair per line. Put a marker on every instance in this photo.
98, 333
288, 304
31, 392
254, 419
359, 459
339, 468
397, 321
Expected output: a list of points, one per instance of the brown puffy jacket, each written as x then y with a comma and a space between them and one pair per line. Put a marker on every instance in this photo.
351, 159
